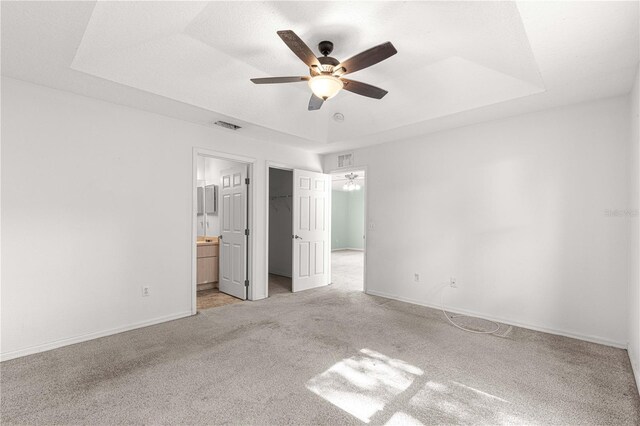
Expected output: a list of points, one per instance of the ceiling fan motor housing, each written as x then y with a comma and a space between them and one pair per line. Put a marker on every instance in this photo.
328, 63
325, 47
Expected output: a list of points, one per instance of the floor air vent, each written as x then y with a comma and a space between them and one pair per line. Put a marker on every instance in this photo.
227, 125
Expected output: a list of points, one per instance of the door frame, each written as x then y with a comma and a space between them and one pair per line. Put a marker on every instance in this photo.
280, 166
366, 213
251, 199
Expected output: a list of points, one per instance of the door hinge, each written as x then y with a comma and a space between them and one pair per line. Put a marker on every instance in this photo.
246, 232
246, 181
246, 283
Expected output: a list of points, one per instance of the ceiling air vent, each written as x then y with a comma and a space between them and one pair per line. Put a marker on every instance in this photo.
345, 160
227, 125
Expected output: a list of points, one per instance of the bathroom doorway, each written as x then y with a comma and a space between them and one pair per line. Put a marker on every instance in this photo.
222, 198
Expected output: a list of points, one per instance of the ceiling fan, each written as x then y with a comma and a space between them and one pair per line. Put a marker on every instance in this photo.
325, 73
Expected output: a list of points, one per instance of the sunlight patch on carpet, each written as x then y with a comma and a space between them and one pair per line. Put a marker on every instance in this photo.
403, 419
363, 384
460, 403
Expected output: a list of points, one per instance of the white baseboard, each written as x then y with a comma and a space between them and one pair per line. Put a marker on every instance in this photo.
84, 337
588, 338
347, 248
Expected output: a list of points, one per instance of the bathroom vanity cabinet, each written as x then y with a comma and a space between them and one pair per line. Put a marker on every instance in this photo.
207, 263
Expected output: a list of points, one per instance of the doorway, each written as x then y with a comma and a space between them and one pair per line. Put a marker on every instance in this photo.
221, 216
348, 230
280, 226
298, 241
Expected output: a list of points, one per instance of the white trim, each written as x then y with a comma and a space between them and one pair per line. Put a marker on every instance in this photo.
366, 213
271, 165
224, 155
251, 197
348, 249
89, 336
280, 166
585, 337
327, 251
634, 367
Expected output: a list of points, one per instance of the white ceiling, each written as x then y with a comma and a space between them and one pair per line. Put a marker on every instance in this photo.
457, 62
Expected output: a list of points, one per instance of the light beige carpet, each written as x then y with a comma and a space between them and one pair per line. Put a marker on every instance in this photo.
279, 285
324, 357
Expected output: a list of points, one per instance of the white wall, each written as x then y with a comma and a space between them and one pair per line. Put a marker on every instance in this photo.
634, 231
339, 220
515, 210
280, 222
79, 178
347, 220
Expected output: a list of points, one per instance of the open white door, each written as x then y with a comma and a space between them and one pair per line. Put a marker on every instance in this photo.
311, 245
233, 223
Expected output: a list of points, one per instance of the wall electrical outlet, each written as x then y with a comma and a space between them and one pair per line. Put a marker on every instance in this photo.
146, 291
453, 283
416, 277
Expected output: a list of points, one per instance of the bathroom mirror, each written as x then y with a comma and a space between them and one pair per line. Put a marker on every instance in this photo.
211, 199
200, 211
200, 191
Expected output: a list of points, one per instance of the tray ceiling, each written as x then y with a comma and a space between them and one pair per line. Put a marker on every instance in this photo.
455, 59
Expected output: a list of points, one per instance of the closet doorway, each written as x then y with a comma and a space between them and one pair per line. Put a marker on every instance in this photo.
298, 238
280, 226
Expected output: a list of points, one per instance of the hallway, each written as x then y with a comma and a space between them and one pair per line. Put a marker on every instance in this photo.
347, 269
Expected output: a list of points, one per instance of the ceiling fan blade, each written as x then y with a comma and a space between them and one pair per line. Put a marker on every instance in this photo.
367, 58
298, 47
363, 89
315, 103
274, 80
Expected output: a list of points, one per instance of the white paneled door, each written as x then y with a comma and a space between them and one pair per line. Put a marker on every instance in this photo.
311, 245
233, 223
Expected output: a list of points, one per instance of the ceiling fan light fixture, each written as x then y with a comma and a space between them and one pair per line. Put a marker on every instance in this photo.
351, 184
325, 86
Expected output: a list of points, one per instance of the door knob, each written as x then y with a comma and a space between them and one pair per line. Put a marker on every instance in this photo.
297, 237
